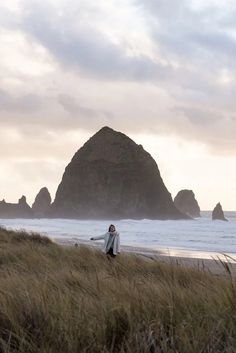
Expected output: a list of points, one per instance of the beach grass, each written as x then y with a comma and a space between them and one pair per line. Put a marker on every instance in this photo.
75, 299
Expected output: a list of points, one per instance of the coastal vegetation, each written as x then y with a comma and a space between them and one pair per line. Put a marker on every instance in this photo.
75, 299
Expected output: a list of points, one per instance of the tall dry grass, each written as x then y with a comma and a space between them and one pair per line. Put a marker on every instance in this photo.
58, 299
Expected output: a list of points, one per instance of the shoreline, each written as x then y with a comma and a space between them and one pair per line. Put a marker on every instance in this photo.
212, 260
218, 264
199, 238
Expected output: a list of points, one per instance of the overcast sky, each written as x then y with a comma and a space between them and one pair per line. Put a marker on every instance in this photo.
162, 71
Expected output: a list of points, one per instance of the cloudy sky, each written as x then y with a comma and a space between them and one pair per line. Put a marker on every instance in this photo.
162, 71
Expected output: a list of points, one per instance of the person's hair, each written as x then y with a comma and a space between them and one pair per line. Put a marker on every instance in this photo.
112, 225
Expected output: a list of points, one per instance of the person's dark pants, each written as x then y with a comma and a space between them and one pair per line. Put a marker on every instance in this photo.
110, 253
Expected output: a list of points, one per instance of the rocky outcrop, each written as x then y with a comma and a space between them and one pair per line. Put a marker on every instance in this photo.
42, 203
113, 177
218, 213
185, 202
15, 210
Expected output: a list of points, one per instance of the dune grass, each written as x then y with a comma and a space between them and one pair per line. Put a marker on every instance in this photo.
67, 299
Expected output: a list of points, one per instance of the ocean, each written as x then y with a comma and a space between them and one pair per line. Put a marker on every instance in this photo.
192, 238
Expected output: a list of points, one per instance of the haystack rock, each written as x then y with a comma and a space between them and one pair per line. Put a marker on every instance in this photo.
218, 213
15, 210
185, 202
42, 203
111, 177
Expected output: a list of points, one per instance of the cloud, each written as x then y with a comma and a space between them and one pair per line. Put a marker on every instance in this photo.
148, 66
200, 117
196, 38
71, 105
26, 104
83, 46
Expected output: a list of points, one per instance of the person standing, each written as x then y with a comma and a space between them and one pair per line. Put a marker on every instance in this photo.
111, 241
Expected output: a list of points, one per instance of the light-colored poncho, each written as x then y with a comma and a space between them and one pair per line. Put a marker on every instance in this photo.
113, 241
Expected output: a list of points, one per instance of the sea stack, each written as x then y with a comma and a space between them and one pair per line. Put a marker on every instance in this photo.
42, 203
24, 209
218, 213
111, 177
15, 210
185, 202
